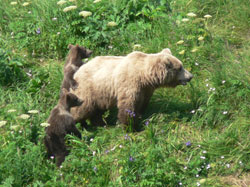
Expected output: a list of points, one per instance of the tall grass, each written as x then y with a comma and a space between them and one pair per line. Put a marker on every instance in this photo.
193, 135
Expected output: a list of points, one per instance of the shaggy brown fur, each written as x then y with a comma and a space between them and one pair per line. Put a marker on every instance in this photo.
61, 123
125, 82
74, 61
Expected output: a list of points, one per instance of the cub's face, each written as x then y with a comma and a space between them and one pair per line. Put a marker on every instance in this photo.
81, 51
72, 100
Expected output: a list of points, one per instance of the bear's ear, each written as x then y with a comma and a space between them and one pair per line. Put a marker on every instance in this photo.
70, 46
167, 51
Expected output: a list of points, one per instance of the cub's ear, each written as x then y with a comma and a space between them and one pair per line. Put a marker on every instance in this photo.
70, 46
64, 91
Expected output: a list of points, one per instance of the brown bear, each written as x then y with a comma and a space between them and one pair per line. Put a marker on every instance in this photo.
61, 123
125, 82
73, 62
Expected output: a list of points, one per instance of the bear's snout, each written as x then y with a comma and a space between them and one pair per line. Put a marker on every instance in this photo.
185, 77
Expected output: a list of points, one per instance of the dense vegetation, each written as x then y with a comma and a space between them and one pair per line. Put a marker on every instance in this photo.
193, 135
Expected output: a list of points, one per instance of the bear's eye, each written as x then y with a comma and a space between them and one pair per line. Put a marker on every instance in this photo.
180, 68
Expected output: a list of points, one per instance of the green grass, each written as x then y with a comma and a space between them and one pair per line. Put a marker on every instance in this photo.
211, 113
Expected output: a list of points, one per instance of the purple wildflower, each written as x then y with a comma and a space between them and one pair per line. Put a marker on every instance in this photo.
107, 151
146, 123
95, 169
126, 137
38, 31
188, 144
131, 159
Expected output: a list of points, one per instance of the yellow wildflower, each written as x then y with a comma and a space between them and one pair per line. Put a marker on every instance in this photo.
69, 8
85, 13
182, 52
207, 16
137, 46
185, 20
201, 38
61, 2
33, 111
96, 1
26, 3
194, 50
13, 3
24, 116
191, 14
2, 123
180, 42
112, 24
11, 110
45, 124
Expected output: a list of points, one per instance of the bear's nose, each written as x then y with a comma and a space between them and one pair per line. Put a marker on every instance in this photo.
190, 77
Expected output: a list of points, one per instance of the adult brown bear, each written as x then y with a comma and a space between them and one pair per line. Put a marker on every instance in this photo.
127, 82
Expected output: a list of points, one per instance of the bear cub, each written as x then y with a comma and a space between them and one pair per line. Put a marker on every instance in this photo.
61, 123
73, 62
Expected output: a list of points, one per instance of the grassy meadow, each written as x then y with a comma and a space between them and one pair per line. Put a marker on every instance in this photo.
194, 135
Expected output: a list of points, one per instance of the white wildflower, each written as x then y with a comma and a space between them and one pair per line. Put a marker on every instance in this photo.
72, 0
222, 157
61, 166
52, 157
120, 146
2, 123
185, 167
204, 152
198, 184
112, 24
26, 3
85, 13
208, 166
110, 47
185, 20
45, 124
61, 2
182, 52
20, 131
29, 12
54, 19
223, 81
191, 14
207, 16
11, 110
180, 42
202, 157
13, 3
91, 139
97, 1
228, 165
33, 111
69, 8
197, 64
197, 175
180, 183
193, 111
24, 116
224, 112
94, 152
201, 38
61, 174
58, 33
241, 163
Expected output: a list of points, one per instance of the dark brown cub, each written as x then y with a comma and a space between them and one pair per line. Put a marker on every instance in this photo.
61, 123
